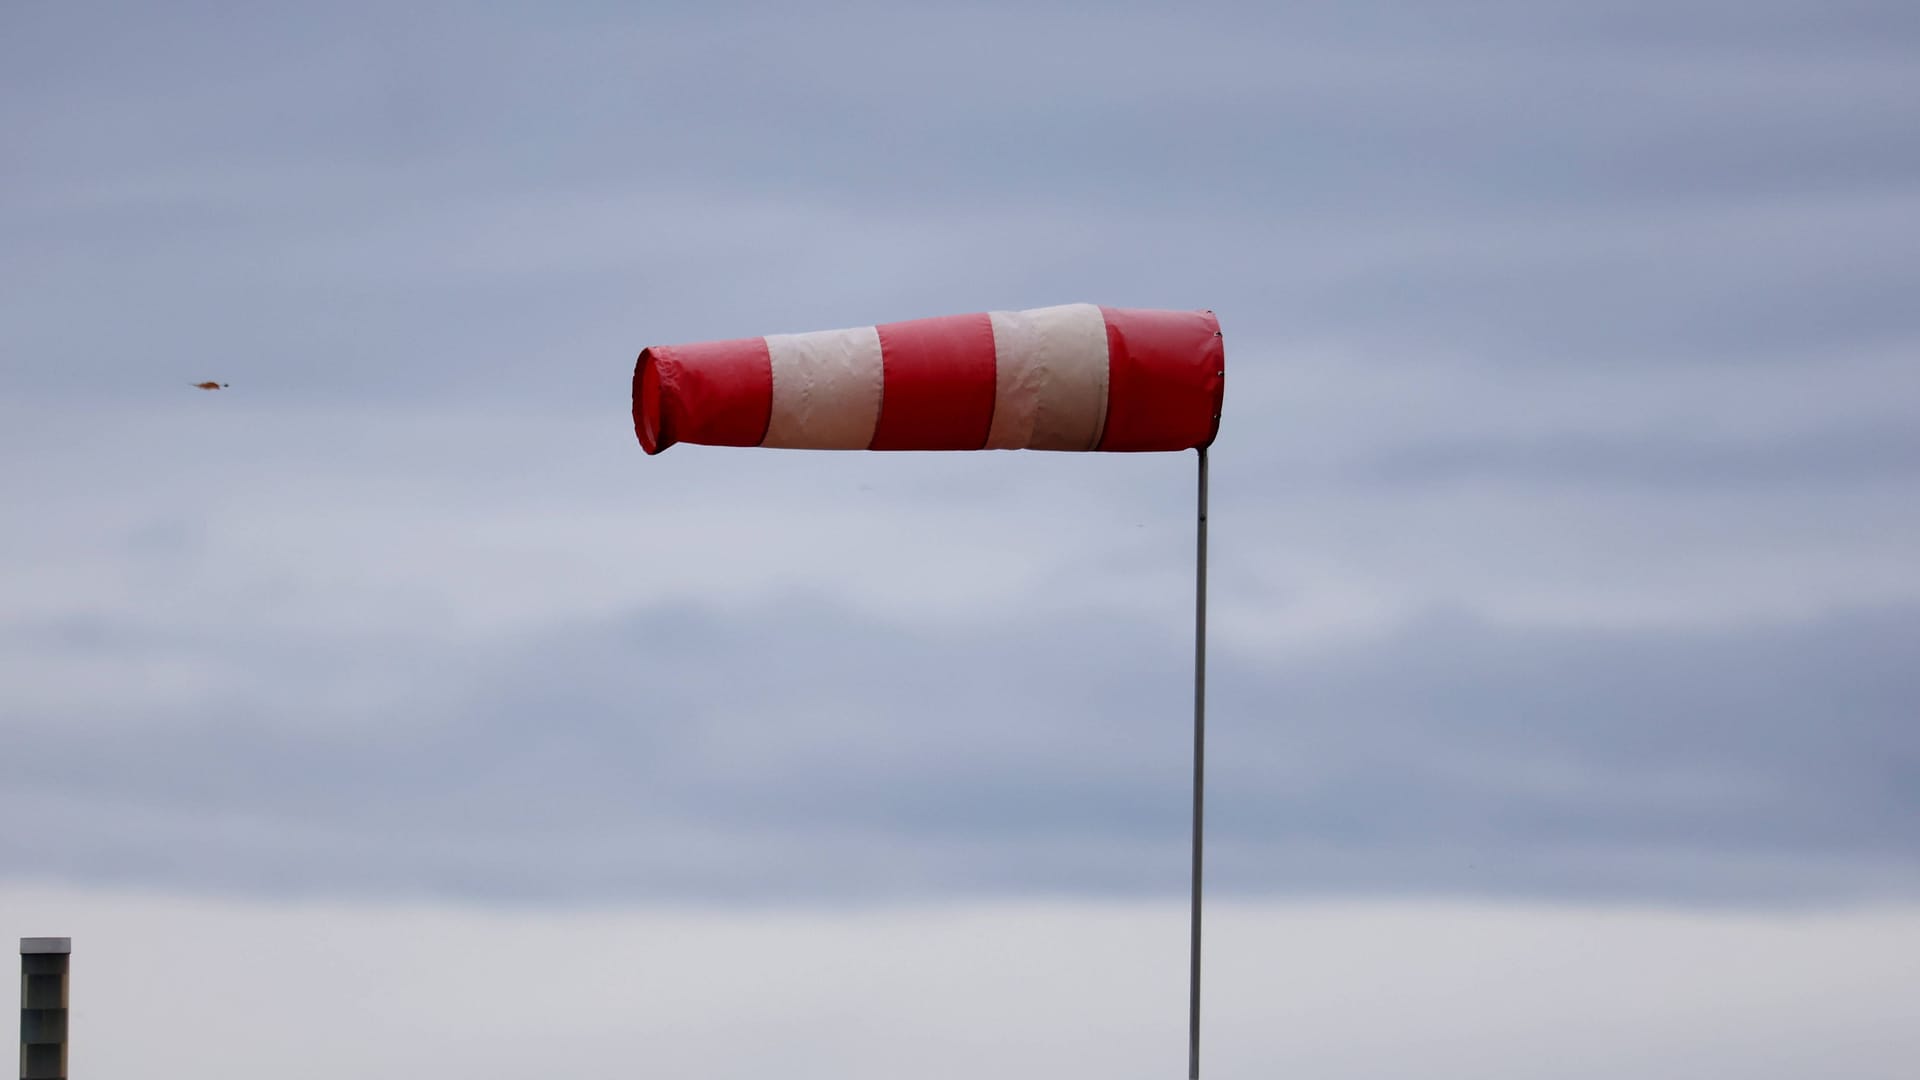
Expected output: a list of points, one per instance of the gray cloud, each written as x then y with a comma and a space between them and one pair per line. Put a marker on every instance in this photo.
795, 751
1848, 456
1564, 501
469, 206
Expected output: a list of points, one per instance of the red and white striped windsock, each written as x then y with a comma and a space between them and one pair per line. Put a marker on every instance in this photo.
1077, 377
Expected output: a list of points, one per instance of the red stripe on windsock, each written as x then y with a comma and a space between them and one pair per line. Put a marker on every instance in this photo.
1166, 378
939, 388
718, 393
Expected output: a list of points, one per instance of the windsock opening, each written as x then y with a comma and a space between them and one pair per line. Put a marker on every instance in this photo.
648, 420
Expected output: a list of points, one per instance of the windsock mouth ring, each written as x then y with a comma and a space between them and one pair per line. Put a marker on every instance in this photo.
649, 418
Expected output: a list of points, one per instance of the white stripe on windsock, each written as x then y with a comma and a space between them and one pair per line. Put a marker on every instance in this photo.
826, 389
1050, 378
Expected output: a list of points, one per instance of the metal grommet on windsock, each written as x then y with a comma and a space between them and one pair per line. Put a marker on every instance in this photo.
1074, 377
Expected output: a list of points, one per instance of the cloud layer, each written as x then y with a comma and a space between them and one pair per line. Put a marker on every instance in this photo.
1563, 507
1353, 990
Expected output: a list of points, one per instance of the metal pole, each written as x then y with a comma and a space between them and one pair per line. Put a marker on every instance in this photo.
43, 1007
1199, 768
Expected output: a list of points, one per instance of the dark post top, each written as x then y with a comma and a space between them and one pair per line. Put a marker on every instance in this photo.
30, 946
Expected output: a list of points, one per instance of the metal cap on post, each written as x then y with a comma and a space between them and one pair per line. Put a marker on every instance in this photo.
44, 965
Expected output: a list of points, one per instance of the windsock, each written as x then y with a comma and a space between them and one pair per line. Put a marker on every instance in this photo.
1075, 377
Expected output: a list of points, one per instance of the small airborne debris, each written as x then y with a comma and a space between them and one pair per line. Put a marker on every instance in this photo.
210, 386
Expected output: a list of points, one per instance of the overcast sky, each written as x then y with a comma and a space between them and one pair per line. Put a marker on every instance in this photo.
1564, 509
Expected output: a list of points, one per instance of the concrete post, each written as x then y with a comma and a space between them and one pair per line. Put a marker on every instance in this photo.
43, 1007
